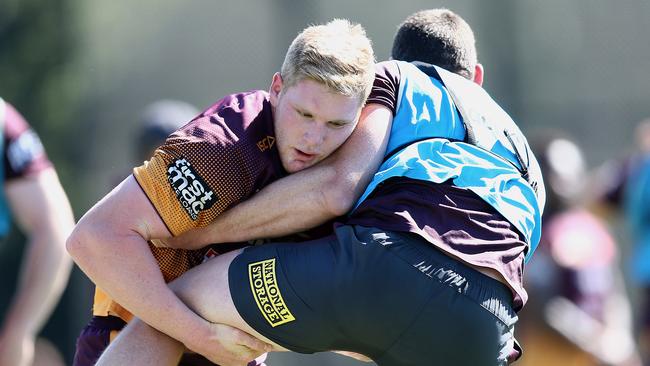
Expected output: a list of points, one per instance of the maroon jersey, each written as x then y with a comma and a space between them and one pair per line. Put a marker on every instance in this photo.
214, 162
454, 219
22, 151
23, 155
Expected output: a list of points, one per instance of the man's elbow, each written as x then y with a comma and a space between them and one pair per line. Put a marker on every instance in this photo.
340, 198
76, 243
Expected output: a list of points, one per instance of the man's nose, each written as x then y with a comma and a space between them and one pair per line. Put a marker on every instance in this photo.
314, 135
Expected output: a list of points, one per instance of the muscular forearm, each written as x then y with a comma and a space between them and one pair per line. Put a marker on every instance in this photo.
42, 211
125, 268
44, 274
296, 204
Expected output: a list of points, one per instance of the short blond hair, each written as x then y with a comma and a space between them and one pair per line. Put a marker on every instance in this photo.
337, 54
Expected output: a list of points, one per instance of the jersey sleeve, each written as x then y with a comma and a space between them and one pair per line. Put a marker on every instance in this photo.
385, 88
198, 173
23, 152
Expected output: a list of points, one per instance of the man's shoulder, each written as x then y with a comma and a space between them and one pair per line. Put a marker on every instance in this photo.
388, 69
22, 146
231, 119
253, 101
13, 123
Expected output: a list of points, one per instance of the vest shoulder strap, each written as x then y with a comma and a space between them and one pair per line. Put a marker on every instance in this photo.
477, 124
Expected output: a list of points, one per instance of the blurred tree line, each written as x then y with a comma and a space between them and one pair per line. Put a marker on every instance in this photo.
38, 41
37, 53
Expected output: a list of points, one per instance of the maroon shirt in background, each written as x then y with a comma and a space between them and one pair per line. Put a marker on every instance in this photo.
23, 152
453, 219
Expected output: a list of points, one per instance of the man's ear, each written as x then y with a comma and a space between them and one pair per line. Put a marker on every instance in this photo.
479, 73
275, 89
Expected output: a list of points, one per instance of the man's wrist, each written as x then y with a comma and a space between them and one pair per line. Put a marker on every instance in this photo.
216, 233
18, 329
194, 335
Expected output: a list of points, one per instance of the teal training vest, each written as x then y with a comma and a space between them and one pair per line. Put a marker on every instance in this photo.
447, 127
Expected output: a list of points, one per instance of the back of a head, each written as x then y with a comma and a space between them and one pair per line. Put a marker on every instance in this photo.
439, 37
642, 136
158, 120
563, 166
337, 54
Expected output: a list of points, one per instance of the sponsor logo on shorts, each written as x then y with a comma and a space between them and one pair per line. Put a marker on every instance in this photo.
267, 293
192, 191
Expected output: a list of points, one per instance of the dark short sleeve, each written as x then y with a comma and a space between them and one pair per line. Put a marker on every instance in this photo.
23, 152
385, 89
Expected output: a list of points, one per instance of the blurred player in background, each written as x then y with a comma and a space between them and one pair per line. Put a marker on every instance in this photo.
32, 195
622, 186
579, 313
636, 205
237, 146
159, 120
606, 188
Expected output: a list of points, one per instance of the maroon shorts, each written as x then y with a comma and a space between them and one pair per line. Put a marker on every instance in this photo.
95, 337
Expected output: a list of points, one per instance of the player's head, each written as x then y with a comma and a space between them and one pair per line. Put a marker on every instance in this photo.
158, 120
338, 55
317, 97
563, 167
642, 136
439, 37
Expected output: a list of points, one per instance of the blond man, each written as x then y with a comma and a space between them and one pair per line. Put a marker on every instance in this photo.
242, 143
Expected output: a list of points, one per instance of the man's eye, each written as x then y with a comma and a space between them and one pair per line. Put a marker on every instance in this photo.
337, 124
304, 114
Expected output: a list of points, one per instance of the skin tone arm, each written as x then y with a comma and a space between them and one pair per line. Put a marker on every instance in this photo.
43, 212
325, 191
110, 245
205, 290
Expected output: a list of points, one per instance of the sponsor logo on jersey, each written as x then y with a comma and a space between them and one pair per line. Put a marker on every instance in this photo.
192, 191
266, 143
267, 293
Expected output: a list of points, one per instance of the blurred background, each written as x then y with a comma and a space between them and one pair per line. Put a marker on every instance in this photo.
82, 71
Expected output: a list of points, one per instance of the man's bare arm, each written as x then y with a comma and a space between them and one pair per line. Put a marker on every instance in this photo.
43, 212
110, 245
305, 199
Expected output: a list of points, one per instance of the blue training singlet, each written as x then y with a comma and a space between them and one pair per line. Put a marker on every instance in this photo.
447, 127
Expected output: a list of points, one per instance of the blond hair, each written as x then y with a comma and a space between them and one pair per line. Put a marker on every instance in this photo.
337, 54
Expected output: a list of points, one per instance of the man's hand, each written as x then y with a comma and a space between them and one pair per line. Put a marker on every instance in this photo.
16, 350
228, 346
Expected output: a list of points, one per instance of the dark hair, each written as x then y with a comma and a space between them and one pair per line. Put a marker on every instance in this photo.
439, 37
562, 163
158, 121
